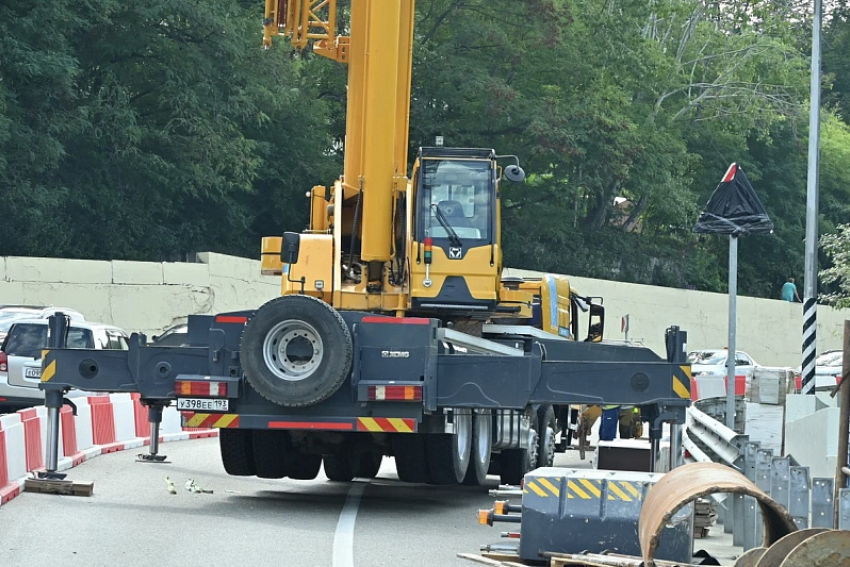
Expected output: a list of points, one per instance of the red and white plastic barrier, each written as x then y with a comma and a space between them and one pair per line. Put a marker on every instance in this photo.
715, 386
103, 424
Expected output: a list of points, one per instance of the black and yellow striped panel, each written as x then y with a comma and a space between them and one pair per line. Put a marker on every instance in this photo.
585, 489
682, 381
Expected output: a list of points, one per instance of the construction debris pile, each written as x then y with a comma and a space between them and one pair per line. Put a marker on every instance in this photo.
705, 516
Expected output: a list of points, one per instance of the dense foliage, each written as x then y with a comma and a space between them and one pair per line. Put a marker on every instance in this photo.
150, 130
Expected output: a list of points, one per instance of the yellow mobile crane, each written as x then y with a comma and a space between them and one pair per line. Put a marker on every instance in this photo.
395, 333
378, 240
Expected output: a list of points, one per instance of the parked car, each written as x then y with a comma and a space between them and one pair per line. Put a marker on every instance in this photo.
20, 355
828, 368
11, 313
708, 366
174, 336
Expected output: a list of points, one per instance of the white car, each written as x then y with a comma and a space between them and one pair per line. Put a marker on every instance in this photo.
20, 355
11, 313
828, 368
708, 367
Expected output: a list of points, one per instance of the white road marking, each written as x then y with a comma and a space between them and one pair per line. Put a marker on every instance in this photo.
343, 555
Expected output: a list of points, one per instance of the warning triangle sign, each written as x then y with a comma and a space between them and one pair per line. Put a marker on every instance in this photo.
734, 208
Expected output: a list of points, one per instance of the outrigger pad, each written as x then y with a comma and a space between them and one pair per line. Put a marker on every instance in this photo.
52, 486
149, 458
734, 208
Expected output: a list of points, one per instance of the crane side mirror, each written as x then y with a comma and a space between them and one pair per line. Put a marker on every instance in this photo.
289, 248
514, 173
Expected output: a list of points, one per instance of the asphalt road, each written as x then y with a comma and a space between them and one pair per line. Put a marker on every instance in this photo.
133, 520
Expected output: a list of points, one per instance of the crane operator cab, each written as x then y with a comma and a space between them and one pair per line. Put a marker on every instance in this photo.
456, 257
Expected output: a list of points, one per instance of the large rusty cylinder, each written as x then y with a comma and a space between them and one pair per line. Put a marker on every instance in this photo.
695, 480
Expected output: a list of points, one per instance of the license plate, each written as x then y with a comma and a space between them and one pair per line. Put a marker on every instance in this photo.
32, 372
201, 404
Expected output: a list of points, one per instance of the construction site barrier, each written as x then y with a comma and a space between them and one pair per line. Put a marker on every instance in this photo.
103, 424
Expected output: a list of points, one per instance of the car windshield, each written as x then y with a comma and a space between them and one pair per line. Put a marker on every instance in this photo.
707, 357
28, 339
6, 314
826, 359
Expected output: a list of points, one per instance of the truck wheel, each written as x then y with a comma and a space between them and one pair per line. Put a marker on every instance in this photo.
410, 461
296, 351
237, 454
482, 443
547, 426
304, 466
271, 452
514, 463
449, 453
367, 464
338, 467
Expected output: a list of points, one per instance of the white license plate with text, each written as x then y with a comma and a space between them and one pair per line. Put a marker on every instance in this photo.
201, 404
30, 372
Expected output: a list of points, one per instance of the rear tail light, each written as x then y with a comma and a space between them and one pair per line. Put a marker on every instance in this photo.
207, 388
396, 393
4, 362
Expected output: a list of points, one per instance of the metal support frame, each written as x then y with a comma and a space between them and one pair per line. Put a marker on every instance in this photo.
155, 419
731, 353
58, 331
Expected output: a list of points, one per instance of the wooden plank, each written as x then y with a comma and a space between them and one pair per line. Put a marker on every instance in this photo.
479, 559
66, 487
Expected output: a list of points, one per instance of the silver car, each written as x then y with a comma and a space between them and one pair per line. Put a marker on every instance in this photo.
20, 355
11, 313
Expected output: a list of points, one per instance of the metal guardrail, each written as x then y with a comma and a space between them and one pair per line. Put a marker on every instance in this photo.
808, 500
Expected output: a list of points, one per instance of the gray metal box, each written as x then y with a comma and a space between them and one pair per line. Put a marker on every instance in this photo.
575, 510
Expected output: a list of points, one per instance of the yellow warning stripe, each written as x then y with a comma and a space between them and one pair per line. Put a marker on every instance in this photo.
635, 492
203, 420
551, 487
679, 387
575, 488
612, 486
48, 372
370, 424
537, 490
591, 486
400, 425
225, 421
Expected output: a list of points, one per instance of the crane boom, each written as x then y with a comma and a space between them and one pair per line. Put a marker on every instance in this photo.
378, 54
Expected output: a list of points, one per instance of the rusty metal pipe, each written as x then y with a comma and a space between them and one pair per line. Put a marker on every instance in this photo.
695, 480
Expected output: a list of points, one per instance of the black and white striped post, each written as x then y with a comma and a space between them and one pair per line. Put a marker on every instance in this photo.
810, 292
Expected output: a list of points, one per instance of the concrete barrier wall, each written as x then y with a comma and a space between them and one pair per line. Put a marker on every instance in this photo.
148, 297
769, 330
137, 296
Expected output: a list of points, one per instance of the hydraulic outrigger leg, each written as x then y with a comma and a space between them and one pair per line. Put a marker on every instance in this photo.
50, 481
155, 419
58, 329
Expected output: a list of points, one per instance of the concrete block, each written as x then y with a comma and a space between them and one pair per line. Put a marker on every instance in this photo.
11, 293
798, 406
186, 274
90, 300
813, 440
136, 272
57, 270
231, 267
233, 295
165, 305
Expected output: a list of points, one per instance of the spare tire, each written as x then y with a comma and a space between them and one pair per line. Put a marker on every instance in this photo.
296, 351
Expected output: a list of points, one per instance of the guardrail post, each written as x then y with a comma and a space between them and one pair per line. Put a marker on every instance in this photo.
823, 507
764, 460
746, 535
844, 508
798, 504
780, 481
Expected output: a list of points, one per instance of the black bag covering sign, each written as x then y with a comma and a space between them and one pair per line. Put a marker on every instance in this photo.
734, 208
